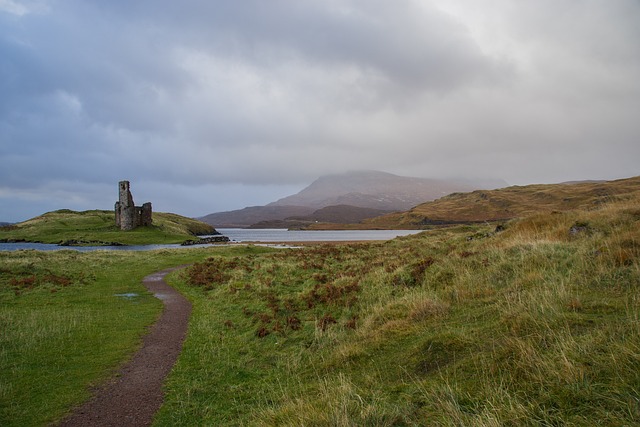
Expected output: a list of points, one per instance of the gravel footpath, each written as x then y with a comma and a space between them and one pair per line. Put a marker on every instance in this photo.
135, 394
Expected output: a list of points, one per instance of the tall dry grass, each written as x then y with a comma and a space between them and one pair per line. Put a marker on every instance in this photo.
534, 325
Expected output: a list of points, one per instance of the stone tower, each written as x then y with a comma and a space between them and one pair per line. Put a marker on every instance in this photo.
128, 215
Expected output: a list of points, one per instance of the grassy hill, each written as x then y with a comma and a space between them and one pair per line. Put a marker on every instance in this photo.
98, 227
344, 194
377, 190
508, 203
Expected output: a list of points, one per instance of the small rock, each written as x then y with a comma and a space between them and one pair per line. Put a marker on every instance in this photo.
578, 229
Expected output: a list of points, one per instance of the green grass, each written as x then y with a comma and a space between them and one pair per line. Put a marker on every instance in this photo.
63, 328
531, 326
98, 227
536, 325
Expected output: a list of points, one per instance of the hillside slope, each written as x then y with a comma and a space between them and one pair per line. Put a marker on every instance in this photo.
340, 214
98, 227
510, 202
251, 215
364, 189
376, 190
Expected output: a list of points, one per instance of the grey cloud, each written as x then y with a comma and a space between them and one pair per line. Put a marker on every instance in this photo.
405, 43
233, 97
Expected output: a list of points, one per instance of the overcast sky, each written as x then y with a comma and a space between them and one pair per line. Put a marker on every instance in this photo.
208, 106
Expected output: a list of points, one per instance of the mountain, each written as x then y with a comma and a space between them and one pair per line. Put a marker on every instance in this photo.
511, 202
375, 190
251, 215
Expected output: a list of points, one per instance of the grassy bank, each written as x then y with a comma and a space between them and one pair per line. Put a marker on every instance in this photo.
536, 325
64, 327
98, 227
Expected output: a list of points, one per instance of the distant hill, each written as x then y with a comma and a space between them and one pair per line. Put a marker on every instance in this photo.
98, 227
377, 191
510, 202
251, 215
341, 214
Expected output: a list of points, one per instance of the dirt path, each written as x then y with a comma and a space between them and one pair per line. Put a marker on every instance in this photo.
135, 395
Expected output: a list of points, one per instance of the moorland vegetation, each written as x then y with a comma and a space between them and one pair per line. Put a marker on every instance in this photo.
532, 321
510, 202
538, 324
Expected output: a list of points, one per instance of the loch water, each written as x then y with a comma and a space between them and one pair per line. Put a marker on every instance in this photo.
289, 236
236, 235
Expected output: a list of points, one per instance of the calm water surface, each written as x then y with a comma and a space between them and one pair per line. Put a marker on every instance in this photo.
237, 235
282, 235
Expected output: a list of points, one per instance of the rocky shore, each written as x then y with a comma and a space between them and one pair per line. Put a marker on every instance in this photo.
206, 240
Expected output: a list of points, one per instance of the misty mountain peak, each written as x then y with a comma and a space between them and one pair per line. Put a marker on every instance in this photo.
373, 189
355, 194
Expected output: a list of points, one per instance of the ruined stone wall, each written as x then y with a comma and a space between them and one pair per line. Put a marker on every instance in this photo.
128, 215
144, 215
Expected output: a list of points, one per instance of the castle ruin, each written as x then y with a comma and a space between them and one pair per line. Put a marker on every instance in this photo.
128, 215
